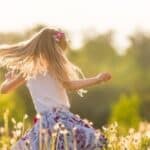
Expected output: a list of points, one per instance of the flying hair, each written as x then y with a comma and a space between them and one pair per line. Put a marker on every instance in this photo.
43, 52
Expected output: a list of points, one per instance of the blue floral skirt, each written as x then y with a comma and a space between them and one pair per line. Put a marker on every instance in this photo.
60, 129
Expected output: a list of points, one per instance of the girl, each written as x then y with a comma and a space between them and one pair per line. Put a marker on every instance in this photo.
42, 65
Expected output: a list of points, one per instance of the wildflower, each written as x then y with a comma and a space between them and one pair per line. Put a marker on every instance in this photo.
36, 118
17, 133
56, 127
19, 125
13, 120
25, 116
2, 130
12, 141
64, 131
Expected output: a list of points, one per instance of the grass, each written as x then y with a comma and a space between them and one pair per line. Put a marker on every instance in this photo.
133, 140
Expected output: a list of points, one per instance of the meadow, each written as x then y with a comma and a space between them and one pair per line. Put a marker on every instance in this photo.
119, 108
131, 140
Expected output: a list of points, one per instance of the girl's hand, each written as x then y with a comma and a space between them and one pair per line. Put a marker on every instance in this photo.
105, 76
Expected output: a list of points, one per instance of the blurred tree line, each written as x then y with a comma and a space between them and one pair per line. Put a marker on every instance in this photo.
130, 74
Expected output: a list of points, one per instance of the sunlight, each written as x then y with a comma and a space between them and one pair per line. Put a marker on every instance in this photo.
76, 16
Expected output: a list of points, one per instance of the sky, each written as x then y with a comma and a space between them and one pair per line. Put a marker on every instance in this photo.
79, 16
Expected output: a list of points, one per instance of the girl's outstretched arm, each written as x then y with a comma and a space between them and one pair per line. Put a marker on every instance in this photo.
11, 83
82, 83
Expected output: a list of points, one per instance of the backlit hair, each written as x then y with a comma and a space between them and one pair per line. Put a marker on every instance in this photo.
39, 54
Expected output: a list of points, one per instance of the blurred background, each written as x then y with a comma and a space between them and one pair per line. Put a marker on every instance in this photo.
110, 35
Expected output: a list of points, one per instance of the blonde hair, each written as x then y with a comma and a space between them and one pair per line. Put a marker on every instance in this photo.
39, 54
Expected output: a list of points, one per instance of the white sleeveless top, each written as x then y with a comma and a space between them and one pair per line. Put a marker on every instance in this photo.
47, 92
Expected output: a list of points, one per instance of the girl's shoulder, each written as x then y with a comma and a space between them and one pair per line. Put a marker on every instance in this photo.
43, 79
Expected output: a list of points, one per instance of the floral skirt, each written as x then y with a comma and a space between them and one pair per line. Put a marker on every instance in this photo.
60, 129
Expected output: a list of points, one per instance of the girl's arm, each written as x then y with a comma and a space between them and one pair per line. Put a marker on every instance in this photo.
82, 83
11, 83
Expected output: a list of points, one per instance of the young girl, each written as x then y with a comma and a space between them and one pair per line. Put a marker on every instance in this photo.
42, 65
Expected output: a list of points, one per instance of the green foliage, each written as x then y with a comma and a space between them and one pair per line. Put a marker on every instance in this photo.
126, 112
9, 135
11, 101
130, 72
133, 140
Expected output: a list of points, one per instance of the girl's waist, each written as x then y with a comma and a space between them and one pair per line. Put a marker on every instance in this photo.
54, 109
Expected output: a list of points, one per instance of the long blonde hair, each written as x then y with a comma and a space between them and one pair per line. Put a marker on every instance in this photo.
41, 53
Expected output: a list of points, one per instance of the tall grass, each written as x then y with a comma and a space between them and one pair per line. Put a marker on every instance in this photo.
133, 140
